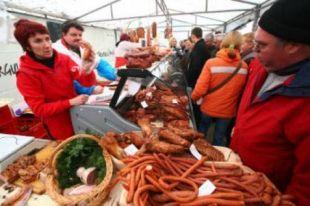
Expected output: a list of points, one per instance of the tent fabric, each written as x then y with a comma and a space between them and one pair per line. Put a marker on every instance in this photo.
183, 15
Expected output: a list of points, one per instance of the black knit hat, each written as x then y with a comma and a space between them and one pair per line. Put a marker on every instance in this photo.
288, 20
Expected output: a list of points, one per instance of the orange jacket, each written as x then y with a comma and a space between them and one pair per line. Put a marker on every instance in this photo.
223, 102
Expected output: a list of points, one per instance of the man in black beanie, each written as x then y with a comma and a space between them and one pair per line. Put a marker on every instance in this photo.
272, 131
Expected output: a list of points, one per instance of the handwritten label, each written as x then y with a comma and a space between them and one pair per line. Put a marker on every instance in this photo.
195, 152
131, 150
207, 188
144, 104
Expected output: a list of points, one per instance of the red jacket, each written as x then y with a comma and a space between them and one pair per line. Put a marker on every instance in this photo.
272, 133
47, 91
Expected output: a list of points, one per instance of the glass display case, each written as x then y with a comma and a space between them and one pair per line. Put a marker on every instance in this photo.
158, 91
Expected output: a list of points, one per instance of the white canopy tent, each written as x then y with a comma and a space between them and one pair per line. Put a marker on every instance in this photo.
105, 19
182, 15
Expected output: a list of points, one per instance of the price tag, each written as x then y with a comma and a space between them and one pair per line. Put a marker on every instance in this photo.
144, 104
133, 87
149, 94
175, 101
195, 152
207, 188
131, 150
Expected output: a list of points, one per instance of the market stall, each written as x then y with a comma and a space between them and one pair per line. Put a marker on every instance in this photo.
89, 170
140, 92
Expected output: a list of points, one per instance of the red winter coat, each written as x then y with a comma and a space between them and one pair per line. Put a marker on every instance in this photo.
47, 91
272, 133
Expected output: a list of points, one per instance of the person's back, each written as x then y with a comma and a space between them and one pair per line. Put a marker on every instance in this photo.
219, 86
197, 58
123, 46
199, 55
223, 102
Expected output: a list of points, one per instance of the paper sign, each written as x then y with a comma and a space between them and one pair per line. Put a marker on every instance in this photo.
175, 101
195, 152
144, 104
131, 150
207, 188
133, 87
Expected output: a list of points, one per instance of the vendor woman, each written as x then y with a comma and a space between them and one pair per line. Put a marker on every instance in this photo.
45, 79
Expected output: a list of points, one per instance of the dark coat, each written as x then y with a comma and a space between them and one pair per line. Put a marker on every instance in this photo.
197, 59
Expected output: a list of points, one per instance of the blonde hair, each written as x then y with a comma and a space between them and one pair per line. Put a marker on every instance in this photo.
248, 37
172, 39
232, 40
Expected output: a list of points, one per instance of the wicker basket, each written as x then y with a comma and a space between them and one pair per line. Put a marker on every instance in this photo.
96, 196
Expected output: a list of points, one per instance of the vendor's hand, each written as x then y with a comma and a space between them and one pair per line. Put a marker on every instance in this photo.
87, 66
98, 90
78, 100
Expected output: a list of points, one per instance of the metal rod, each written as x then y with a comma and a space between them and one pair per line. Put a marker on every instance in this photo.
171, 14
97, 9
201, 25
156, 7
111, 10
189, 30
246, 2
213, 19
10, 5
191, 24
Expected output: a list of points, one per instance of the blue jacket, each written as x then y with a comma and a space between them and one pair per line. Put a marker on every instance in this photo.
79, 89
106, 70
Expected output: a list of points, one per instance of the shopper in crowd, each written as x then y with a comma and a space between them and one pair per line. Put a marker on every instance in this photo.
182, 44
188, 46
218, 38
45, 79
198, 56
123, 46
247, 48
72, 44
173, 46
172, 42
272, 133
133, 35
209, 39
219, 87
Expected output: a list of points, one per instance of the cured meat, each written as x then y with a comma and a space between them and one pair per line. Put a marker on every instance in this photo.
145, 125
154, 30
138, 63
155, 145
208, 150
87, 52
109, 141
173, 138
135, 138
10, 174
